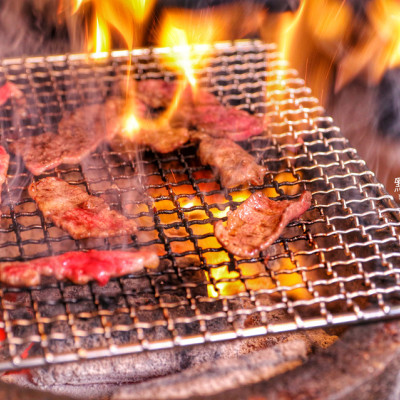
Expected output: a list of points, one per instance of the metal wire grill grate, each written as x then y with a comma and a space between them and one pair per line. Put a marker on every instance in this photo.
337, 264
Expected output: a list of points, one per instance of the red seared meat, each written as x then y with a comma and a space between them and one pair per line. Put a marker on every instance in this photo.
234, 165
80, 132
155, 93
77, 266
258, 222
74, 210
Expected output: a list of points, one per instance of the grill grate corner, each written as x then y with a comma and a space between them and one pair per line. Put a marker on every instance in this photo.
337, 264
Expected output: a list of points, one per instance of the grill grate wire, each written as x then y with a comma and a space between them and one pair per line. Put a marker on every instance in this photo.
337, 264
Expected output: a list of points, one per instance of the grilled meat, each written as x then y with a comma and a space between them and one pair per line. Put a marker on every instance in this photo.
234, 165
258, 222
226, 122
80, 132
200, 109
4, 160
163, 139
78, 213
203, 111
77, 266
155, 93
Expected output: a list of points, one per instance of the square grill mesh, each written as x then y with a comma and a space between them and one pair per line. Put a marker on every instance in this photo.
337, 264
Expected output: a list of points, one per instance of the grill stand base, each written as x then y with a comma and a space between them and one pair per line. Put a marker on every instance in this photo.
363, 364
191, 371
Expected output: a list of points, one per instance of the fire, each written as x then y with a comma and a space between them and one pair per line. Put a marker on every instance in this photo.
281, 274
77, 6
187, 41
131, 125
312, 39
323, 34
288, 28
188, 38
379, 47
178, 39
102, 39
187, 44
124, 17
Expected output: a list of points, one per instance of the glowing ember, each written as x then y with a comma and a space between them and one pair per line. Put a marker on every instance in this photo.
246, 276
286, 277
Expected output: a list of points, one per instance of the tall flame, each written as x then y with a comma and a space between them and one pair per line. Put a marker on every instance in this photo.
183, 53
312, 39
125, 17
379, 47
324, 33
189, 39
102, 38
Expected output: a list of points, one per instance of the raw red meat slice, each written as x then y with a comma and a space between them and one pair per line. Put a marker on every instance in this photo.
80, 132
258, 222
78, 213
4, 160
9, 90
77, 266
234, 165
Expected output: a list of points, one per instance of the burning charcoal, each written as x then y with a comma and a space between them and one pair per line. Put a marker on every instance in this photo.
190, 277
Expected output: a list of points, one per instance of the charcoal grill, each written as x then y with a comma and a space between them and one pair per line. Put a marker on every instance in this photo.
337, 264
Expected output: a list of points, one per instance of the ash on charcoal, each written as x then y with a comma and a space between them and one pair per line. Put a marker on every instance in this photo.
214, 377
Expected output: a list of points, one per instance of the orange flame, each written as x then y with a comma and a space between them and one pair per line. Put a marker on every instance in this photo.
324, 33
379, 47
131, 126
312, 39
125, 17
102, 37
186, 43
189, 40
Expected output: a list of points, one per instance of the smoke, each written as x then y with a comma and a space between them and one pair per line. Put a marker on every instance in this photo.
32, 27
